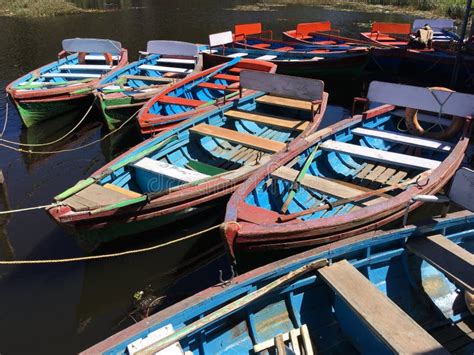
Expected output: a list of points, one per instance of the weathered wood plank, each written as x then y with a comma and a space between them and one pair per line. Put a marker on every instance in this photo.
380, 155
393, 326
285, 102
263, 144
455, 262
404, 139
283, 85
95, 196
275, 121
324, 185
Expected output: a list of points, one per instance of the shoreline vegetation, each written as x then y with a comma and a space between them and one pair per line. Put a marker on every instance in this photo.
38, 8
428, 8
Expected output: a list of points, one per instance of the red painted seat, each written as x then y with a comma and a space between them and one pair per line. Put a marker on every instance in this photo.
261, 45
227, 77
284, 49
172, 100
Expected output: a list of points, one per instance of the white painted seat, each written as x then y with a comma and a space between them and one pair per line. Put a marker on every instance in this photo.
317, 58
209, 51
266, 57
165, 69
237, 55
176, 60
85, 67
171, 171
152, 338
380, 155
70, 75
100, 57
404, 139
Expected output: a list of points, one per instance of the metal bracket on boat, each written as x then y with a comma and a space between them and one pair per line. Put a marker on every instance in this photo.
258, 157
417, 182
225, 283
431, 199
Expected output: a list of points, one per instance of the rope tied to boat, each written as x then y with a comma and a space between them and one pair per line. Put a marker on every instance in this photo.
6, 117
107, 256
29, 151
56, 140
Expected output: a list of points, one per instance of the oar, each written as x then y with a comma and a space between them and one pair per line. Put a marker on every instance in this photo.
357, 198
230, 308
119, 81
89, 181
298, 180
38, 85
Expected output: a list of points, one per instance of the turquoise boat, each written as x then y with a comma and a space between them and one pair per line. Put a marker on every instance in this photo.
67, 84
199, 162
123, 94
404, 291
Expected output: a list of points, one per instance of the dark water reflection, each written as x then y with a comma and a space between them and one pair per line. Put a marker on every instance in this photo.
66, 308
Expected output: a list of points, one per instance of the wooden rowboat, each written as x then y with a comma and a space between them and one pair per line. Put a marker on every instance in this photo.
312, 62
196, 93
200, 162
165, 63
68, 83
376, 293
351, 177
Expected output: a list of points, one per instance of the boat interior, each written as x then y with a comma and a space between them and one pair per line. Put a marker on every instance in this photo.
380, 296
165, 63
362, 158
241, 134
84, 60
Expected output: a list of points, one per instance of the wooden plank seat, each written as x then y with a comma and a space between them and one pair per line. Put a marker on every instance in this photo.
171, 171
173, 100
97, 196
236, 55
235, 70
165, 69
71, 75
85, 67
149, 78
275, 121
285, 102
92, 57
227, 77
404, 139
266, 57
392, 326
175, 60
261, 45
284, 49
380, 155
216, 86
452, 260
262, 144
326, 186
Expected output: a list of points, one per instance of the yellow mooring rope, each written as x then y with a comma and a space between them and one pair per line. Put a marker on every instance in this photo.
106, 256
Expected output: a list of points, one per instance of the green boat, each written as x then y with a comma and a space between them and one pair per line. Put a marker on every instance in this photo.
67, 84
123, 94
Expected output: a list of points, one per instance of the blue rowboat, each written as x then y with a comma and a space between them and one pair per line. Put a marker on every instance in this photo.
376, 293
66, 84
353, 176
200, 162
196, 93
165, 63
311, 62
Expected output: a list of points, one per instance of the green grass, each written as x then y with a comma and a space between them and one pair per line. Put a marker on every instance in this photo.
37, 8
450, 8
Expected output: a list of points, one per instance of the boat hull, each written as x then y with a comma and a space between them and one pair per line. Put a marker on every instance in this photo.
33, 112
116, 112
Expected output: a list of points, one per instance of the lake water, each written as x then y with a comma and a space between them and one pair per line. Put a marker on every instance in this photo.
65, 308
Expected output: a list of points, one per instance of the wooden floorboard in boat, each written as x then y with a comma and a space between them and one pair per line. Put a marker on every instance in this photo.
323, 185
285, 102
280, 122
95, 196
455, 262
390, 323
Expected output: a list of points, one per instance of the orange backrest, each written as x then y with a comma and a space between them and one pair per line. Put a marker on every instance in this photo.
392, 28
248, 29
305, 28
